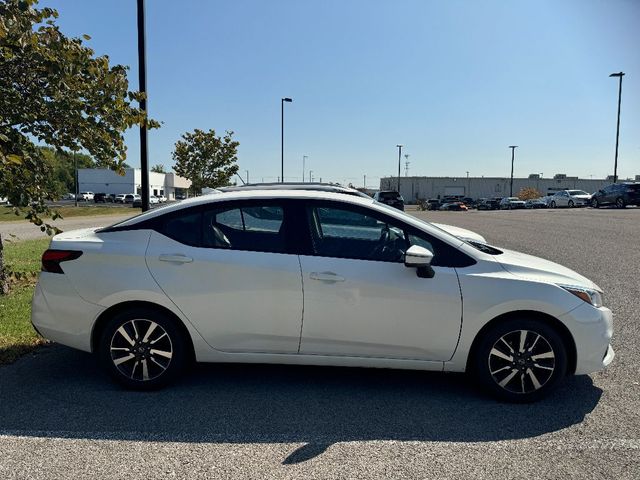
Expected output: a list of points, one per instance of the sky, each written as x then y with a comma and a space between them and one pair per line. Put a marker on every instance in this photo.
456, 82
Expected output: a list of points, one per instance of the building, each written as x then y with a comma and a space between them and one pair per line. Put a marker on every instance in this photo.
413, 188
98, 180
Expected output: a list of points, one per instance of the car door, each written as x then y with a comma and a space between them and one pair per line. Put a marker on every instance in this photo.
227, 267
361, 300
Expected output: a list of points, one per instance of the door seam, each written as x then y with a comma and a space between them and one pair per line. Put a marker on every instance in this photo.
302, 315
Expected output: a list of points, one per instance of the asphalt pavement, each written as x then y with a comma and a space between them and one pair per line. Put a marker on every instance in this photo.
61, 418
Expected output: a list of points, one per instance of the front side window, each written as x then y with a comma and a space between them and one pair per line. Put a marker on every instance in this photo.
349, 233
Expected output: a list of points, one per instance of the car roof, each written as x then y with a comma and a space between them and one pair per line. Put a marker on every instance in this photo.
319, 187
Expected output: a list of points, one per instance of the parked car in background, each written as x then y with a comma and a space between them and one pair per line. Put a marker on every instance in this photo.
181, 196
488, 204
454, 207
111, 198
176, 274
3, 200
391, 198
153, 200
119, 198
569, 198
68, 196
137, 202
469, 202
130, 197
162, 198
511, 203
618, 194
86, 196
101, 198
433, 204
535, 203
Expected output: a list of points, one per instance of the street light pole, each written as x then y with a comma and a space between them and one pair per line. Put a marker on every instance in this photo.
615, 162
282, 100
513, 150
310, 177
142, 76
399, 157
304, 158
75, 167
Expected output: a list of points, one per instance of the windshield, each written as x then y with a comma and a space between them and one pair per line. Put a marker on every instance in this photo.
389, 196
577, 192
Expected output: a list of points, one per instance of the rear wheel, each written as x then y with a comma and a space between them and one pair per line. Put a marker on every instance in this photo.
571, 204
553, 204
520, 360
620, 202
595, 203
143, 349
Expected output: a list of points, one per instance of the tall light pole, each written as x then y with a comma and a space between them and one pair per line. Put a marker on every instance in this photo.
399, 157
615, 162
304, 158
75, 167
282, 100
142, 77
513, 150
310, 177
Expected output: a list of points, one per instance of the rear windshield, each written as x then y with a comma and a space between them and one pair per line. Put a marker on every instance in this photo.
577, 192
389, 196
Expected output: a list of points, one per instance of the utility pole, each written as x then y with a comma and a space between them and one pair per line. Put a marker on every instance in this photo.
142, 77
247, 176
513, 149
304, 158
282, 101
75, 167
399, 158
615, 162
365, 182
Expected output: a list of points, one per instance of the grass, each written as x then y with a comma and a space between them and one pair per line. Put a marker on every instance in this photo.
7, 214
17, 336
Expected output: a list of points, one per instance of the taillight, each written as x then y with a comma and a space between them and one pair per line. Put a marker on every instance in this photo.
51, 259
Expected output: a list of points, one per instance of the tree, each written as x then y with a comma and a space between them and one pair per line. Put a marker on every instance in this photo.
159, 168
206, 159
54, 91
529, 193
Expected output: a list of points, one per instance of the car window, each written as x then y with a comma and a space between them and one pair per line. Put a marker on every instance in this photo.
344, 232
185, 228
255, 228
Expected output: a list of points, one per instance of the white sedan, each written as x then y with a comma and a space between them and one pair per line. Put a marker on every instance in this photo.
570, 198
317, 278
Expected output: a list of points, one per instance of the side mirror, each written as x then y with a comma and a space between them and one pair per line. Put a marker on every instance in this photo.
420, 258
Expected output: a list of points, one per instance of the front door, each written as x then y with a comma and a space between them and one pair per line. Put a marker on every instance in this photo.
361, 300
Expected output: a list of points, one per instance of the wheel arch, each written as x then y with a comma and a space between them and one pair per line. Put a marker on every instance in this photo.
104, 317
557, 325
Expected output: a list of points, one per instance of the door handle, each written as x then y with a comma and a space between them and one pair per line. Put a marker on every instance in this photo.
326, 277
175, 258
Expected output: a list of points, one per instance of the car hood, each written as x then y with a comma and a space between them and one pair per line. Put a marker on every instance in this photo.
536, 268
461, 233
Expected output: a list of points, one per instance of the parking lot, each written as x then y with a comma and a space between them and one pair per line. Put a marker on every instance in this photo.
60, 418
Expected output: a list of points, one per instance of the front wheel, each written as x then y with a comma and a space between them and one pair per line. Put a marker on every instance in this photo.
620, 202
143, 349
571, 204
553, 204
595, 203
520, 360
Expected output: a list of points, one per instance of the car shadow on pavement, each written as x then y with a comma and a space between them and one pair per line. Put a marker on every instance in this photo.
61, 393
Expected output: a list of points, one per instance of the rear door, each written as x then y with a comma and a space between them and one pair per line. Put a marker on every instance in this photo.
229, 269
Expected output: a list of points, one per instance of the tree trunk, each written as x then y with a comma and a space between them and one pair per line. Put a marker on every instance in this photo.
4, 284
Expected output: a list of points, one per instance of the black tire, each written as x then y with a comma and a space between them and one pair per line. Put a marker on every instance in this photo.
160, 365
553, 204
620, 202
595, 203
571, 204
526, 378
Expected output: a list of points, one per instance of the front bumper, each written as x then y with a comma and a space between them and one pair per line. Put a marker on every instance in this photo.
591, 329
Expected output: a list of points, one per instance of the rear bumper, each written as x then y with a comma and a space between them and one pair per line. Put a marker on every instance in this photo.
59, 314
591, 329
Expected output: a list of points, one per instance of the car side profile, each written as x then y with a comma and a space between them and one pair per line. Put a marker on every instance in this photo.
569, 198
618, 194
315, 278
511, 203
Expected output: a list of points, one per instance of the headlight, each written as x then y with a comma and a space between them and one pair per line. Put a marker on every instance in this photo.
590, 296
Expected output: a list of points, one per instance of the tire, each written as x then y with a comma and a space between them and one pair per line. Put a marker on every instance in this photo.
553, 204
571, 204
595, 203
620, 202
513, 378
129, 363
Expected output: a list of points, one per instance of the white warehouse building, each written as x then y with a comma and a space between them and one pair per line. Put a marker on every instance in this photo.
104, 180
414, 188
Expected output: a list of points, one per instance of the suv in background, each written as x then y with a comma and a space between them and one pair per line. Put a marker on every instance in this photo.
391, 198
131, 197
101, 198
618, 194
488, 204
511, 203
86, 196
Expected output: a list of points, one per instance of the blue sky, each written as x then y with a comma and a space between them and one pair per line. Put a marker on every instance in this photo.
456, 82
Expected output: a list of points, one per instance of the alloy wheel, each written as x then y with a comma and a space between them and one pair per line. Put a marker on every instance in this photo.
620, 202
521, 361
141, 349
553, 204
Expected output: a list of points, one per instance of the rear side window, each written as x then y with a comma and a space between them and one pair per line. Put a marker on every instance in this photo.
185, 229
634, 188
